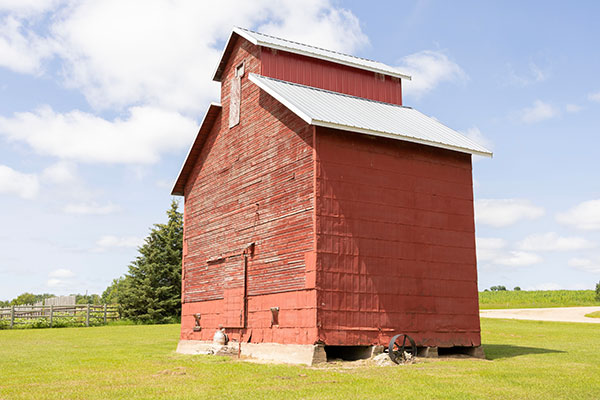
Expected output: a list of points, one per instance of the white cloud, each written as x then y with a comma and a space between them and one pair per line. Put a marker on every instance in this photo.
56, 283
23, 185
584, 216
61, 172
79, 136
518, 259
114, 241
91, 208
428, 69
539, 111
594, 96
585, 264
61, 273
552, 242
573, 108
21, 52
504, 212
488, 249
535, 74
164, 57
27, 7
493, 251
475, 135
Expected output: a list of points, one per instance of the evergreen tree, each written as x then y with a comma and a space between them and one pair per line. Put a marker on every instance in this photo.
111, 294
151, 291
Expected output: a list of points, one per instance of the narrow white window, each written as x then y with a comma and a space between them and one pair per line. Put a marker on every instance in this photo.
235, 96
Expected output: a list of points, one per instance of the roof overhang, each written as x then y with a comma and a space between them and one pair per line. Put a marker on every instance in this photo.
208, 121
305, 115
218, 74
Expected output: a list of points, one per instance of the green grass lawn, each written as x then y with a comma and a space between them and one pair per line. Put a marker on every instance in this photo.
537, 299
526, 360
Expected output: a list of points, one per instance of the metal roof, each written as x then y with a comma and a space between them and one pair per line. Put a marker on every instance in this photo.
340, 111
260, 39
188, 165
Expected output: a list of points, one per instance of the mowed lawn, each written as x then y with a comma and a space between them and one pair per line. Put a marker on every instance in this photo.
526, 360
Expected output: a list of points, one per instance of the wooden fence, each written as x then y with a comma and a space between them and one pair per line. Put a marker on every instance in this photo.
78, 313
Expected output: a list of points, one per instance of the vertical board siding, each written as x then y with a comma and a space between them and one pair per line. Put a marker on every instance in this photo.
330, 76
252, 183
395, 242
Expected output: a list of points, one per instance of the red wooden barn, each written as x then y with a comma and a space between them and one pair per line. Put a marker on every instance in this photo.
321, 212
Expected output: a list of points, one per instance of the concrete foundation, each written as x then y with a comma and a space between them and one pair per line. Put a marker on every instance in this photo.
306, 354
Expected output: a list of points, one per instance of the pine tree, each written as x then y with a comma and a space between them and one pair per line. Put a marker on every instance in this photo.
151, 291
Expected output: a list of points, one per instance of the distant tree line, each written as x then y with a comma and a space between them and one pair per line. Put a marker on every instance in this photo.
150, 292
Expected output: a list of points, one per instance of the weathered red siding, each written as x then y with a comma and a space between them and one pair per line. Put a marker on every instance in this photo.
252, 183
327, 75
395, 242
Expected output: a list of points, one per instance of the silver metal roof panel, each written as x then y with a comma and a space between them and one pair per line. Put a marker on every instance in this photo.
273, 42
340, 111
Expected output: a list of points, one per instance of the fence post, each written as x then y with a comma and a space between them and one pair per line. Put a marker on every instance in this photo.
104, 313
87, 315
51, 314
12, 316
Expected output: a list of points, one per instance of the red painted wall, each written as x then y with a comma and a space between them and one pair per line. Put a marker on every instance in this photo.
252, 183
327, 75
395, 242
356, 237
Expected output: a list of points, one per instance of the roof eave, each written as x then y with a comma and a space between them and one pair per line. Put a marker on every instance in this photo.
179, 185
371, 132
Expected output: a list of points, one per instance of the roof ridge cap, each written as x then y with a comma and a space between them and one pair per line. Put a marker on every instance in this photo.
310, 45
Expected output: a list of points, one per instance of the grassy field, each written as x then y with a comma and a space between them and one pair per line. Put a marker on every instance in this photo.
526, 360
537, 299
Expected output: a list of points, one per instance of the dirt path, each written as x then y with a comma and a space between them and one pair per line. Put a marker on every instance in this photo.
562, 314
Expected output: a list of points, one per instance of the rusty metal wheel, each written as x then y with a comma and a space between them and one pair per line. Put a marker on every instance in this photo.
402, 347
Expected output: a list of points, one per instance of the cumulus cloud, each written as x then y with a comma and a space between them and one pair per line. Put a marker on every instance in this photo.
573, 108
494, 251
61, 273
489, 249
141, 137
504, 212
534, 74
518, 259
475, 135
60, 173
22, 51
585, 216
585, 264
154, 67
539, 111
21, 184
60, 278
91, 208
429, 69
552, 242
594, 96
164, 57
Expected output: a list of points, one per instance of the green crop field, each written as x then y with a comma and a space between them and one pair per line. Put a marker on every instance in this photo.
537, 299
526, 359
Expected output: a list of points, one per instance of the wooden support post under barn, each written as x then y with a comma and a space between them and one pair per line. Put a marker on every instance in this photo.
321, 215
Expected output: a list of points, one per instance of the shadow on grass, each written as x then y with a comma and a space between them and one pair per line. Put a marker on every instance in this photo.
498, 351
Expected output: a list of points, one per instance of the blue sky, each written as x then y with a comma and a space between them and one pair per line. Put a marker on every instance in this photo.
99, 102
